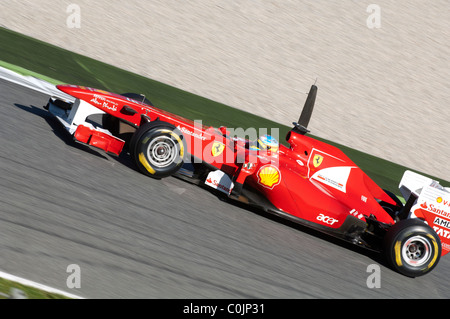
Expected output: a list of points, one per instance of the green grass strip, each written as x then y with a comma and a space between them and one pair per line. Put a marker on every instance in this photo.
30, 292
26, 72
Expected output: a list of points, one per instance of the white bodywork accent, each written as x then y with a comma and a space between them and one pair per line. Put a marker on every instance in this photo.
429, 194
76, 116
336, 177
220, 181
413, 183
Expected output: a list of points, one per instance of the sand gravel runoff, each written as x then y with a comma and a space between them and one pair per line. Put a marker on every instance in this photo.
382, 67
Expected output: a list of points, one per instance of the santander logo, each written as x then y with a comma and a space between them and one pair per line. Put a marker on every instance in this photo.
435, 210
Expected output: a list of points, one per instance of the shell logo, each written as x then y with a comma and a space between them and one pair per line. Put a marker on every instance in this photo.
269, 176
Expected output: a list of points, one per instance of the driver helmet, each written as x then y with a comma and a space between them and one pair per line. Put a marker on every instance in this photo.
267, 142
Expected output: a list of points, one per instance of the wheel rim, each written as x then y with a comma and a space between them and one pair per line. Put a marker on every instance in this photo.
161, 151
416, 251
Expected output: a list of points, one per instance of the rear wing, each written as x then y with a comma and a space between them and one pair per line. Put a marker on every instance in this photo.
413, 184
429, 201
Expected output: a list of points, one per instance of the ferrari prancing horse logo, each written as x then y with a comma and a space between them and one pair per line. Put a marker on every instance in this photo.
217, 148
317, 160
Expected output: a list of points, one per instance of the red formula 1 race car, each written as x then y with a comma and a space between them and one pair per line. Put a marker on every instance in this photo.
309, 182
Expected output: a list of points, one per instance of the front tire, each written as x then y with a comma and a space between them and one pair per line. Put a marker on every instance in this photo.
412, 247
158, 149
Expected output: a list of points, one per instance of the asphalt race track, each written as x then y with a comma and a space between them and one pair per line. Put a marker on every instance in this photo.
63, 203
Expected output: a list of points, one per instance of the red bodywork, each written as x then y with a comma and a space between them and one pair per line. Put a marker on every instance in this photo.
309, 180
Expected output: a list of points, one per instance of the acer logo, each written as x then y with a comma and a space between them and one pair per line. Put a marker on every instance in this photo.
326, 219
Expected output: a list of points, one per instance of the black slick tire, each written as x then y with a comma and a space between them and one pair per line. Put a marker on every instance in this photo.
412, 247
158, 149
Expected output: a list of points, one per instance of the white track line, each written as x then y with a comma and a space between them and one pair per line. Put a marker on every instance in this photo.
33, 284
32, 83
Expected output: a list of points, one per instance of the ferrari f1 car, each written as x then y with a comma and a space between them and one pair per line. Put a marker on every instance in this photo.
308, 181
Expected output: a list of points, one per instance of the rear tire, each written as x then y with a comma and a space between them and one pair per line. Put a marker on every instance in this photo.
158, 149
412, 247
